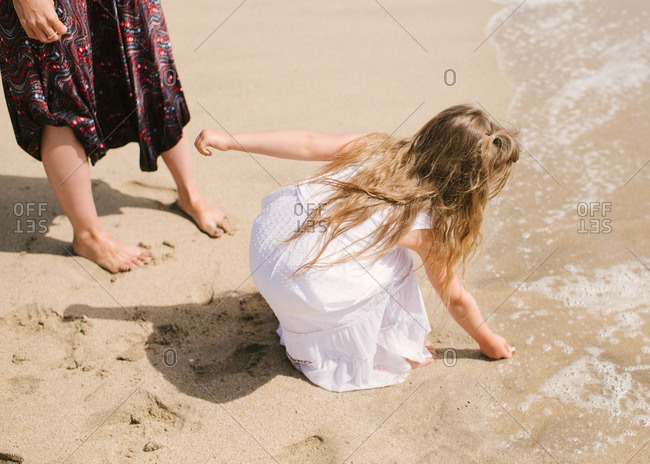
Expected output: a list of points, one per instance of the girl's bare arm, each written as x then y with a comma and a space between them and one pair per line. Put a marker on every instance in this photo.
462, 305
287, 144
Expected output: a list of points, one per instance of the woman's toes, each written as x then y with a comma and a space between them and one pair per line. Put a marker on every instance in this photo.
143, 258
211, 229
225, 225
209, 219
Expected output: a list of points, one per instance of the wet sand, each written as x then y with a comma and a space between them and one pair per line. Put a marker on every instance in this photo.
179, 362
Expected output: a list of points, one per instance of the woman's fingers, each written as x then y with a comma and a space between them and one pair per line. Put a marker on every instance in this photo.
29, 31
48, 32
53, 29
40, 22
48, 35
60, 28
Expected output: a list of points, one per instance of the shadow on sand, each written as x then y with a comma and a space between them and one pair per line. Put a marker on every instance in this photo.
218, 352
21, 193
221, 350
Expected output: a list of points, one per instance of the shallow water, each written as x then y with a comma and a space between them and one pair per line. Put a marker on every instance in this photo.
581, 74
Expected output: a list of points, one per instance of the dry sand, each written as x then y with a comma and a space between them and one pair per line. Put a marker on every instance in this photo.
179, 362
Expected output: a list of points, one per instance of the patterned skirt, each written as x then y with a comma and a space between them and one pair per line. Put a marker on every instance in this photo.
111, 78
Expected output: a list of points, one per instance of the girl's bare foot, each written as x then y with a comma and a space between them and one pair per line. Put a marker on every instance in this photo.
427, 361
109, 253
209, 219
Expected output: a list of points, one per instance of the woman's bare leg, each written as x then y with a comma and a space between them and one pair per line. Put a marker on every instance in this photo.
210, 220
67, 170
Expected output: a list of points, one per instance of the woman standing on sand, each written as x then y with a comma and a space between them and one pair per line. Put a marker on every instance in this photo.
83, 77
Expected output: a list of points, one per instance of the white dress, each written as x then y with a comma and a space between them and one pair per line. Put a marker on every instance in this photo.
346, 327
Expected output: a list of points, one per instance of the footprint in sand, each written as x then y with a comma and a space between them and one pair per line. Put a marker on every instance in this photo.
10, 458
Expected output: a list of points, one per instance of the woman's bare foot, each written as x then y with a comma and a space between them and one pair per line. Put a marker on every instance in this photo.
109, 253
209, 219
426, 362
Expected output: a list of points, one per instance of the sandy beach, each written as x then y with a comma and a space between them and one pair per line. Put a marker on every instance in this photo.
179, 361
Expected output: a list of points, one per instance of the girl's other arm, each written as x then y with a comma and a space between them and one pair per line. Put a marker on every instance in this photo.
295, 145
462, 305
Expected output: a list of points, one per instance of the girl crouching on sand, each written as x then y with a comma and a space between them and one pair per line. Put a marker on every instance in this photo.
331, 254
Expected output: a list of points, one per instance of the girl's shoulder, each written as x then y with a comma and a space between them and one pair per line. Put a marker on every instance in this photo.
422, 221
313, 190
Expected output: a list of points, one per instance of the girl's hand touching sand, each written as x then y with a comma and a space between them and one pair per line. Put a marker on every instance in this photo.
496, 347
39, 19
462, 306
208, 138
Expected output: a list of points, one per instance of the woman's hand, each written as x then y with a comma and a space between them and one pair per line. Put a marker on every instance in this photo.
39, 19
496, 347
208, 138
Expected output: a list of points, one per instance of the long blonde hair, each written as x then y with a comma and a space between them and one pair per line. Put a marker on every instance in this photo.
450, 168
